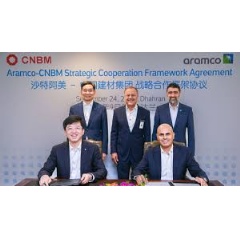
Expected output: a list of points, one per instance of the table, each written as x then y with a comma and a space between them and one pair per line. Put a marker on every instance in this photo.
34, 182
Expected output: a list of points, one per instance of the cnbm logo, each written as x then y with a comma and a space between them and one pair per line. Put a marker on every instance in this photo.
227, 59
12, 59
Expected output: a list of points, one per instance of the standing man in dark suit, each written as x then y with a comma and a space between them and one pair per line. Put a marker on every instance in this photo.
94, 116
130, 129
178, 115
75, 158
168, 161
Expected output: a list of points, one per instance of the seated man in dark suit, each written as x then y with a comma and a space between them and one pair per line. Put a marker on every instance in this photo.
75, 158
168, 161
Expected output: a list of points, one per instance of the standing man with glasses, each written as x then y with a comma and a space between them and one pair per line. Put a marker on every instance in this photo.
94, 116
75, 158
178, 115
130, 130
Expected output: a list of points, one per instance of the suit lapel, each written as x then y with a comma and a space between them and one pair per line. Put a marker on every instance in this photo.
157, 154
84, 151
138, 117
82, 113
180, 109
92, 113
169, 115
175, 161
66, 158
124, 113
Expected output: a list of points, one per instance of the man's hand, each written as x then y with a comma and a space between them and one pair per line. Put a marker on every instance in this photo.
45, 180
115, 158
141, 180
104, 156
86, 178
201, 181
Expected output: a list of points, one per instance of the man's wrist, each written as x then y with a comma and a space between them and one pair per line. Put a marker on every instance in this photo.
205, 179
92, 179
135, 177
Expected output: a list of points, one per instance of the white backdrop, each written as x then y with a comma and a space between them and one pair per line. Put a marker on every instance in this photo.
37, 90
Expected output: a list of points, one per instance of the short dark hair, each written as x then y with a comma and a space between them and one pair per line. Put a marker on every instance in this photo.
72, 119
88, 83
174, 85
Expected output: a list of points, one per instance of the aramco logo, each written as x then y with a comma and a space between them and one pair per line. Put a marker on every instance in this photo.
226, 59
12, 59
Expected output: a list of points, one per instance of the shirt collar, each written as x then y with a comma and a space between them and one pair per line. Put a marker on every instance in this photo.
77, 148
88, 104
174, 107
170, 151
134, 109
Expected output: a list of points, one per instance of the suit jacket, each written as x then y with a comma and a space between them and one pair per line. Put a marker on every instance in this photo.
182, 160
123, 140
97, 128
91, 161
184, 121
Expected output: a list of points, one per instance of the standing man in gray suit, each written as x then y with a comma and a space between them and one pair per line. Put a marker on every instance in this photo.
94, 116
178, 115
130, 130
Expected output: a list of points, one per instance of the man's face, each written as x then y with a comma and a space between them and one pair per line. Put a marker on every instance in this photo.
165, 135
173, 95
130, 97
74, 132
87, 93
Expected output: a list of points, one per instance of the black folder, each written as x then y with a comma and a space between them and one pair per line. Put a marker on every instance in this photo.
66, 182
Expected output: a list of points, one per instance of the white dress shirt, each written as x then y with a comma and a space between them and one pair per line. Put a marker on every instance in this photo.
87, 108
173, 113
167, 164
131, 116
75, 162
